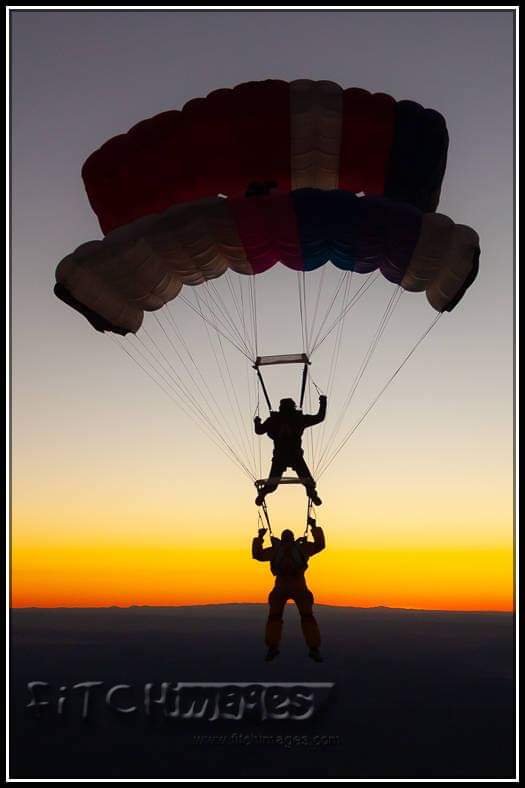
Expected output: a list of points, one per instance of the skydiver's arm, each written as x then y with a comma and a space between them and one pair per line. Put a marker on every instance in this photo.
260, 427
260, 553
318, 543
316, 418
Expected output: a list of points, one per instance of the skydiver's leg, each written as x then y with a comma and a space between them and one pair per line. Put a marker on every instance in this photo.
303, 472
274, 626
304, 601
277, 469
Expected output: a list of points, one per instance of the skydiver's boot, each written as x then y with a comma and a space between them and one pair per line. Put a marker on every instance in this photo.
315, 654
314, 497
272, 652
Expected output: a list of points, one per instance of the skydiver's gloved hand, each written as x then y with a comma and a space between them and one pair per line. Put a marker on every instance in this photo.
312, 522
261, 532
323, 398
257, 420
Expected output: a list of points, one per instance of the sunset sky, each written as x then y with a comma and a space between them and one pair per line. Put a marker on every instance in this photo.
118, 498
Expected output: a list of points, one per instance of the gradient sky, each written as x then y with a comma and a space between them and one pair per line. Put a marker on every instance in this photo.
117, 499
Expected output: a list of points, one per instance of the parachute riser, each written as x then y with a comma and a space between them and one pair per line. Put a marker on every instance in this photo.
283, 359
303, 384
266, 517
310, 514
263, 387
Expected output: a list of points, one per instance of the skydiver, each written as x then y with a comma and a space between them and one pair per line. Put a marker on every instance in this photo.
285, 427
288, 559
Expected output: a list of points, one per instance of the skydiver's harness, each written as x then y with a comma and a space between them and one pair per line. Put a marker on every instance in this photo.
288, 561
293, 556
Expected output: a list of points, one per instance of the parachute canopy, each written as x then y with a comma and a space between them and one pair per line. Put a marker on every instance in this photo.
298, 134
145, 264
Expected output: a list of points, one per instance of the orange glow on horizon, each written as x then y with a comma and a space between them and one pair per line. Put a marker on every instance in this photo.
120, 574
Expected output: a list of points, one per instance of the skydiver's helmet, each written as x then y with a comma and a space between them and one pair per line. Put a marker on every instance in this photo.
287, 406
287, 536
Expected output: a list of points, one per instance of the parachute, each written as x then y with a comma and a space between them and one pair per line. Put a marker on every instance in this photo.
338, 186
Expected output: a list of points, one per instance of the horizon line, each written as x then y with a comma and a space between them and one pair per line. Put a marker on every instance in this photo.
261, 604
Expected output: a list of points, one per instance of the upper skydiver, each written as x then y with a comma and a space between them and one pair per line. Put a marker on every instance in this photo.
285, 427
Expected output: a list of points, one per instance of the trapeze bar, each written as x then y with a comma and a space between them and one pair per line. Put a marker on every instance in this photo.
283, 480
290, 358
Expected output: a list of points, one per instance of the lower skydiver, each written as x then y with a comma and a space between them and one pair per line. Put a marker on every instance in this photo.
288, 559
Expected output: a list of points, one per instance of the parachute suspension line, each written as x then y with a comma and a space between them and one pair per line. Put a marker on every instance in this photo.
246, 325
237, 331
177, 399
181, 389
392, 303
172, 372
243, 310
142, 367
316, 387
259, 443
180, 336
251, 385
378, 396
259, 448
226, 426
310, 433
305, 303
203, 394
318, 298
336, 352
222, 315
208, 401
249, 443
237, 415
259, 383
164, 365
301, 313
234, 432
303, 310
251, 319
369, 281
216, 306
337, 290
252, 391
239, 308
210, 323
216, 321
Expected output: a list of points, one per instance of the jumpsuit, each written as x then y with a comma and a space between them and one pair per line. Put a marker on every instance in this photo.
291, 586
286, 429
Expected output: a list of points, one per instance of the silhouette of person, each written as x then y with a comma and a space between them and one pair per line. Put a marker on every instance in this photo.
288, 559
285, 427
